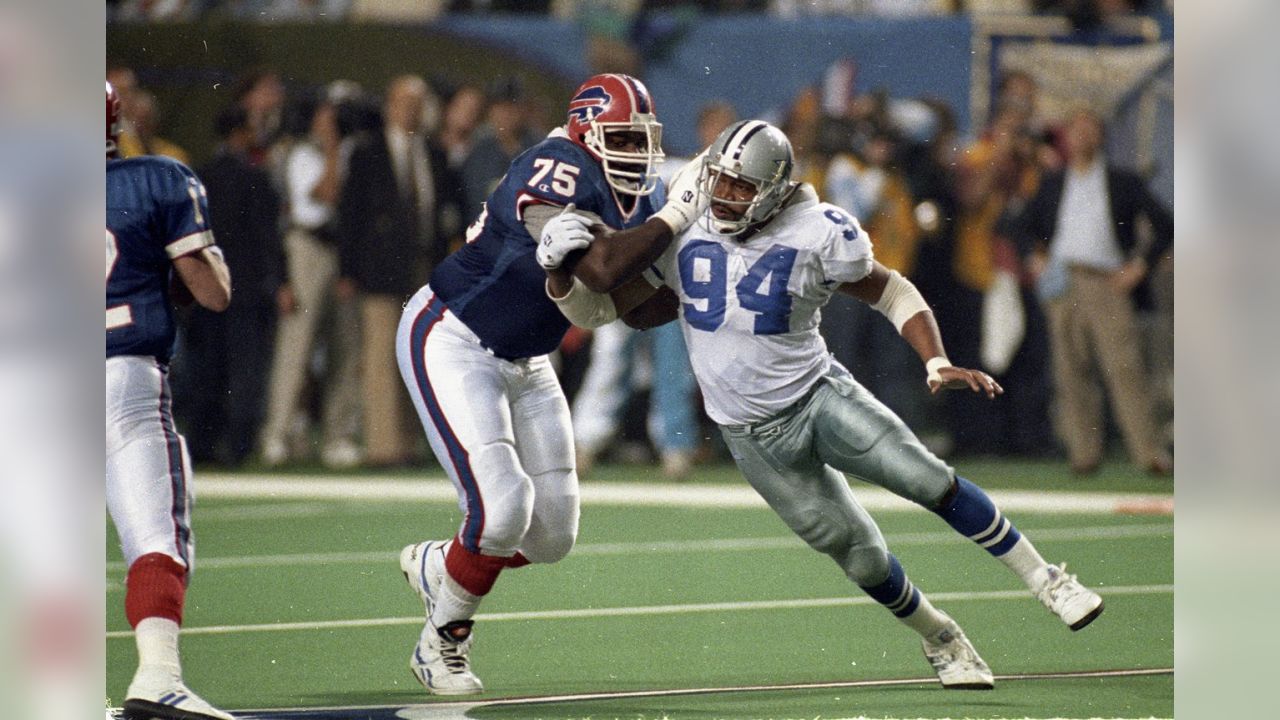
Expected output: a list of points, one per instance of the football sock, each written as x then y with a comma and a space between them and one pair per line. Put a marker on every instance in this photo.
1024, 560
157, 640
907, 603
468, 577
154, 587
969, 510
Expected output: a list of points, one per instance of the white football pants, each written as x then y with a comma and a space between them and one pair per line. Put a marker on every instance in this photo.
149, 491
501, 430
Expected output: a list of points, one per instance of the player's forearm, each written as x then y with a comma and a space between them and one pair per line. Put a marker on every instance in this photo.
207, 276
617, 258
922, 334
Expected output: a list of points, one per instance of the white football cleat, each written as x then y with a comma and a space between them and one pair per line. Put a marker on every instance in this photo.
160, 694
1065, 597
441, 660
958, 665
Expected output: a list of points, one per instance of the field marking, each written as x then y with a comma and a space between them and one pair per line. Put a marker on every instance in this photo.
684, 495
458, 710
788, 542
642, 610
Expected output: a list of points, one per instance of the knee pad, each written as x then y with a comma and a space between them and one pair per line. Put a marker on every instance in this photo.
549, 546
506, 517
826, 534
554, 528
866, 565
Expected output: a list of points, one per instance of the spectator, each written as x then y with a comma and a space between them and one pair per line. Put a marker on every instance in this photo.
462, 117
507, 132
228, 384
1082, 245
396, 213
261, 94
998, 174
141, 138
313, 176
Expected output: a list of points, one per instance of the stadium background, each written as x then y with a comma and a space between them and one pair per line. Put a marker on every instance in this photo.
759, 62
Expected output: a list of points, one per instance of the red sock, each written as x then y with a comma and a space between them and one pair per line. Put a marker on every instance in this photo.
476, 573
155, 587
518, 561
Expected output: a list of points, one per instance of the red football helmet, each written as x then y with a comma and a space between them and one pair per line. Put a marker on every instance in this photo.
113, 119
616, 103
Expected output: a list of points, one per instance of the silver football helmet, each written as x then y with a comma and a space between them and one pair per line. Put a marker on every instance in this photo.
760, 154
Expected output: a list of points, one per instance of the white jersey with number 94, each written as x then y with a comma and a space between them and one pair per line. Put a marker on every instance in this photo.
750, 310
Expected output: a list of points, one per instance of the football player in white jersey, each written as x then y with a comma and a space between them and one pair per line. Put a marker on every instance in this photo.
748, 282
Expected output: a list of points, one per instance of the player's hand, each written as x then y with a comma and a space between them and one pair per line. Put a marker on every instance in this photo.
685, 204
958, 378
563, 234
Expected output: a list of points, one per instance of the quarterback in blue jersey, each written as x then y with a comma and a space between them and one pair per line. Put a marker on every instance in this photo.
473, 344
158, 245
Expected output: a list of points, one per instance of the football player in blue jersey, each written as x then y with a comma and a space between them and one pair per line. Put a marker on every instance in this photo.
159, 249
473, 344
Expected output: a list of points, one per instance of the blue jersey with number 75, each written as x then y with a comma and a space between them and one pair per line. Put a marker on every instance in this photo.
156, 211
494, 284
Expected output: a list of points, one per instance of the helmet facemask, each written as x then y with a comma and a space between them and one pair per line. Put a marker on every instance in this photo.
628, 173
754, 152
769, 196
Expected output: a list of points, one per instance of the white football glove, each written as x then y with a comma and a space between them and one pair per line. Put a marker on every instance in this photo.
563, 234
684, 203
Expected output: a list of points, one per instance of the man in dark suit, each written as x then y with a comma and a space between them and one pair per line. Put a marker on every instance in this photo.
228, 383
397, 211
1082, 244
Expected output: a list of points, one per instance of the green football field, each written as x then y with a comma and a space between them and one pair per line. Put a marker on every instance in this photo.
298, 602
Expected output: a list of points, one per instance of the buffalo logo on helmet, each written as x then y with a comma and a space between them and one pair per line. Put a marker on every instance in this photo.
588, 103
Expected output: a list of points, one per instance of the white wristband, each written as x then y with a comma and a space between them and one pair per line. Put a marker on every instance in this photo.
934, 365
584, 308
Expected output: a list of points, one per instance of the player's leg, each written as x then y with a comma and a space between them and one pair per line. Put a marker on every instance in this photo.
148, 496
544, 443
814, 500
461, 394
857, 434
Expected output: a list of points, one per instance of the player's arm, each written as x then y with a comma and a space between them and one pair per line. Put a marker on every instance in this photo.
612, 260
206, 277
899, 300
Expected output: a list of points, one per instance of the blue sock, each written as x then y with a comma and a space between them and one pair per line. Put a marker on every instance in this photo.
896, 592
973, 515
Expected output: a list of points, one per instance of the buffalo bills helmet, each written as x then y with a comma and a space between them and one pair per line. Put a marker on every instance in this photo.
616, 103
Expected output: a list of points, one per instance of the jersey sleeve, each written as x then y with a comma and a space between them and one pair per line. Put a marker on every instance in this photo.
183, 213
552, 174
844, 253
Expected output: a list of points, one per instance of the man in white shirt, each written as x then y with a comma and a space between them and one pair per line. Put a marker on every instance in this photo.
1082, 245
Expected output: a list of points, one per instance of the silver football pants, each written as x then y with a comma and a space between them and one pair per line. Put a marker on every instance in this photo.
795, 460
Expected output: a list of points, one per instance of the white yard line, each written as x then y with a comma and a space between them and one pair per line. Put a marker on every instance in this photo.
367, 489
789, 542
644, 610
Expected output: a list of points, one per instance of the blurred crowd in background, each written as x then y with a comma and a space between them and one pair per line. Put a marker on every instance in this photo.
313, 189
1084, 13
